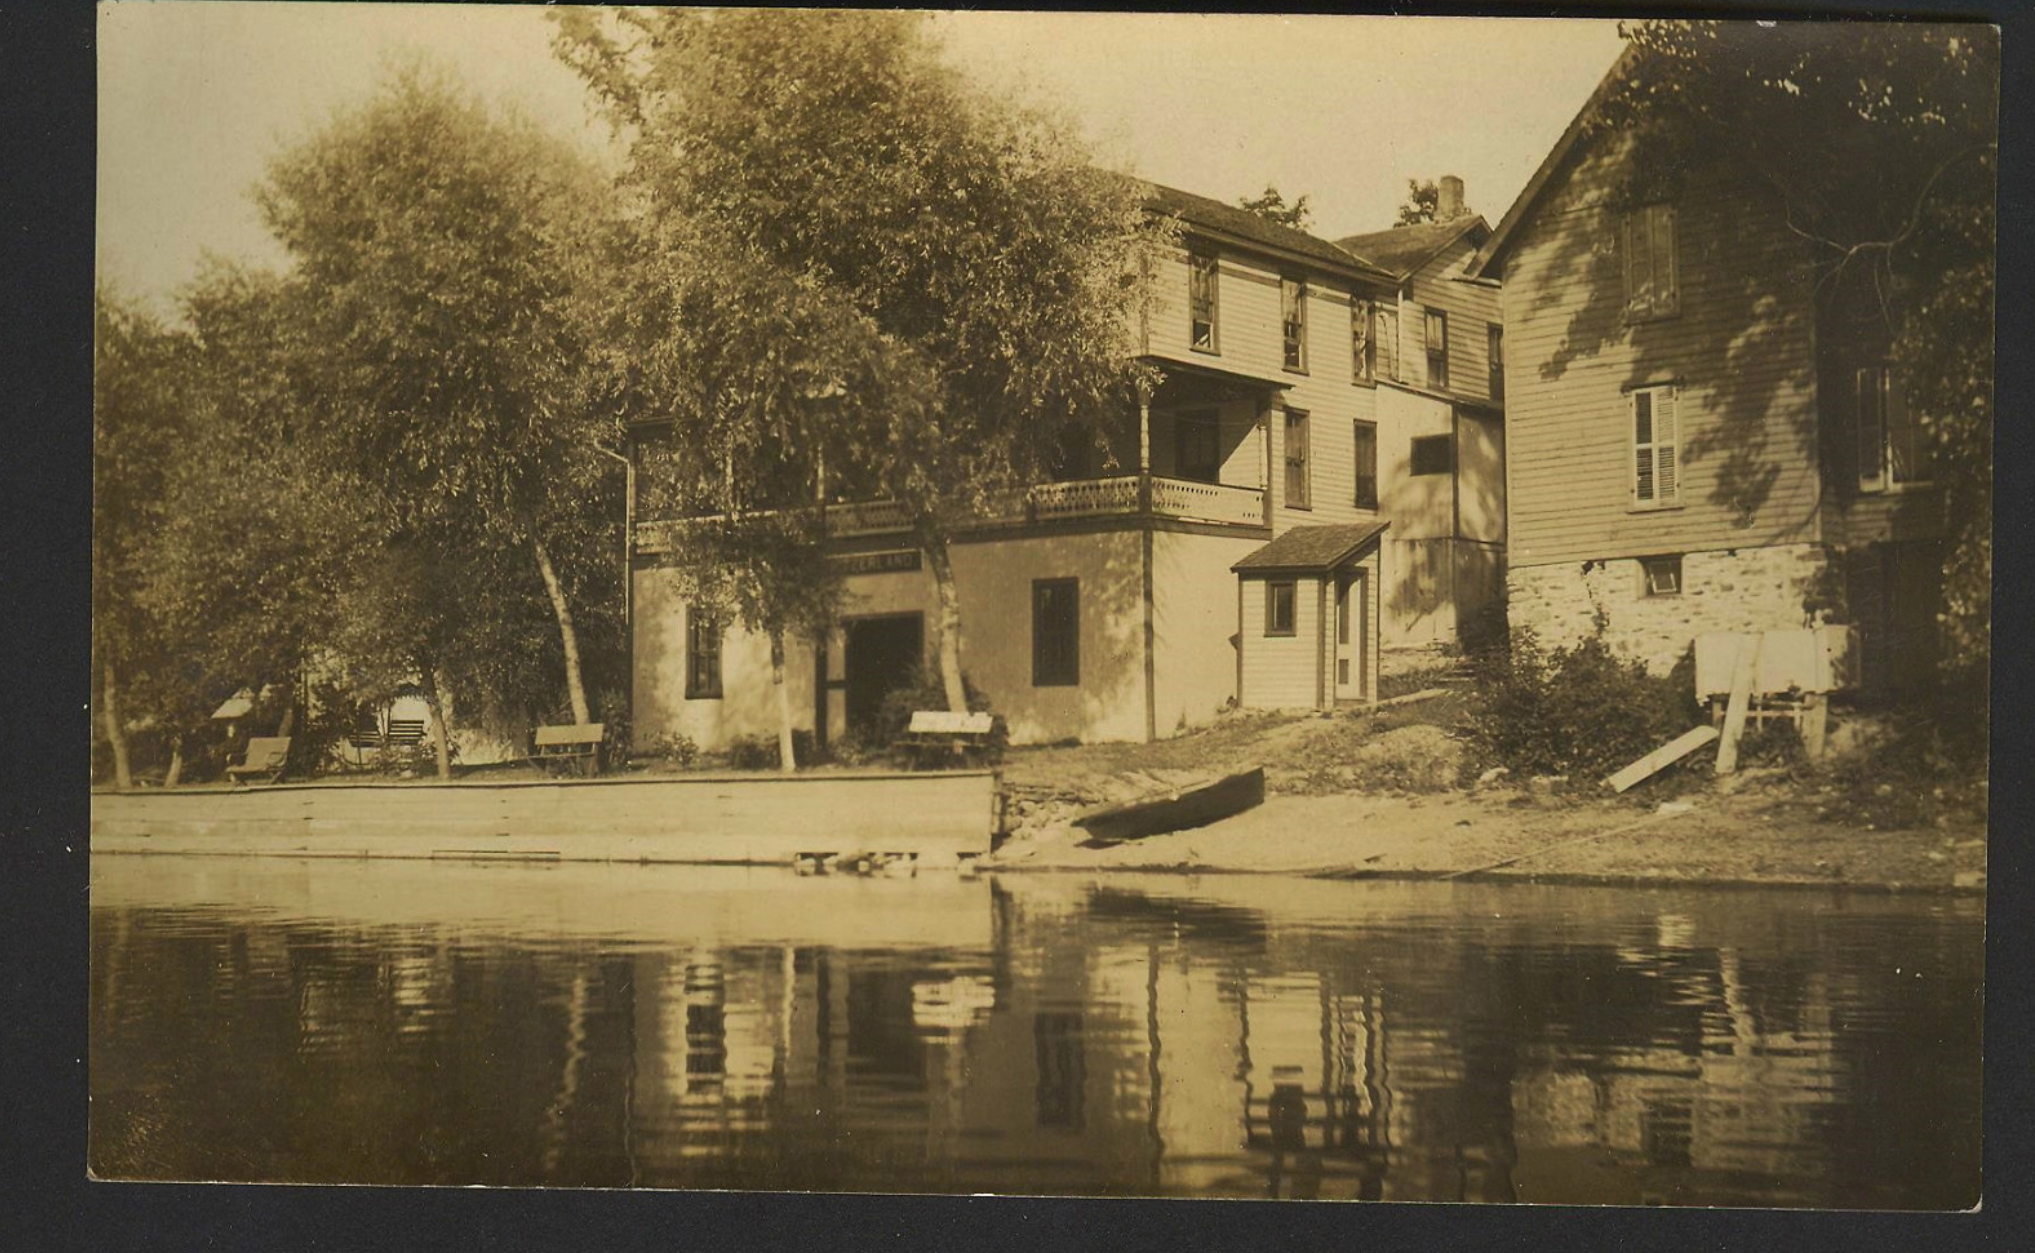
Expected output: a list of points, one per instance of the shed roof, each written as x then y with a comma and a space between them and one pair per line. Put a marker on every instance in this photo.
1404, 249
1312, 549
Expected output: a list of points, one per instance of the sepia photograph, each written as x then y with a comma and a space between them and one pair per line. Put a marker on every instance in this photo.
1048, 604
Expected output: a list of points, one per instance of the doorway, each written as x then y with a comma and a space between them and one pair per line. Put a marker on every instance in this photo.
883, 654
1352, 629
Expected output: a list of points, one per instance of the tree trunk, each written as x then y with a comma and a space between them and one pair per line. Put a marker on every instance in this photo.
176, 770
787, 750
123, 778
947, 623
289, 711
441, 730
575, 686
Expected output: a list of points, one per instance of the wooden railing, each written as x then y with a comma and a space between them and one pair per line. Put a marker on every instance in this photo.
1078, 498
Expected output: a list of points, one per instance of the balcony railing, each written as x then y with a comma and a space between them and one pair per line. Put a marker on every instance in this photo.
1081, 498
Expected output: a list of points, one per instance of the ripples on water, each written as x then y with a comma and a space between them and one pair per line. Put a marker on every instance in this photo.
418, 1023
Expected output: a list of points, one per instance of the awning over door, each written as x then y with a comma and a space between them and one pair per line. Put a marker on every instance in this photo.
1312, 550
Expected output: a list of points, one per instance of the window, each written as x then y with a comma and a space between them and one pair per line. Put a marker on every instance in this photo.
1279, 607
1385, 337
1202, 303
1494, 339
1366, 465
1652, 282
1296, 460
1892, 449
1197, 446
1433, 454
1293, 322
702, 655
1361, 363
1656, 448
1056, 632
1663, 575
1437, 348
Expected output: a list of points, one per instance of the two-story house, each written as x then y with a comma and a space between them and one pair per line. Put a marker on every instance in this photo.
1699, 439
1226, 551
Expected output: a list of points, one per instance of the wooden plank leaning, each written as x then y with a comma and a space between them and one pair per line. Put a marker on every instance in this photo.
1741, 701
1661, 758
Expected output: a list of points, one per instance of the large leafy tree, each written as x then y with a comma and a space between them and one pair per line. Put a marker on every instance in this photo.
1882, 140
970, 232
443, 252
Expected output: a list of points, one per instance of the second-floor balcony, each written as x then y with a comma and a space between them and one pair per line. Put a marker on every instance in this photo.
1128, 495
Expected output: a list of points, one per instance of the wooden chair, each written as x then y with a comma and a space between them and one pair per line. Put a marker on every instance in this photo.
937, 732
266, 759
574, 747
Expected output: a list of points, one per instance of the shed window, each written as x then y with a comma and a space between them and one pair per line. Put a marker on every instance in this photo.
1279, 599
1203, 276
1366, 461
1663, 575
1652, 278
1293, 322
1437, 348
1656, 448
1432, 454
1056, 632
702, 655
1494, 339
1361, 362
1892, 448
1385, 338
1298, 472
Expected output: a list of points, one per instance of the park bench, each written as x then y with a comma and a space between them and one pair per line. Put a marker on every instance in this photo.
265, 759
936, 733
405, 732
574, 747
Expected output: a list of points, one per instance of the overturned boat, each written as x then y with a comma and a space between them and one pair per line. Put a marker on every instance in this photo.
1181, 808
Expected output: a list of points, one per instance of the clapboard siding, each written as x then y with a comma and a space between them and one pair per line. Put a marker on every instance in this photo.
1472, 310
1741, 349
1282, 671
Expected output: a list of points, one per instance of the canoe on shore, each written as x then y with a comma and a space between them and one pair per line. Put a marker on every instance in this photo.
1190, 805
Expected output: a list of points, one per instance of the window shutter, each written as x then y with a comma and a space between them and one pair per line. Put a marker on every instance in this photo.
1667, 289
1626, 253
1666, 446
1872, 432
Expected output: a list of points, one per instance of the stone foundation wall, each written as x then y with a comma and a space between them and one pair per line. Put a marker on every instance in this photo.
1744, 589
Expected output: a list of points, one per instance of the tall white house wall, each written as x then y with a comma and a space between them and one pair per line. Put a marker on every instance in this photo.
1194, 626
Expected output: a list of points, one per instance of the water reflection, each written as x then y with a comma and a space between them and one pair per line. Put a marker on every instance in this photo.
686, 1027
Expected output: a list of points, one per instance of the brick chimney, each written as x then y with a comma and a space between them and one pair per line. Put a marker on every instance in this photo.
1449, 204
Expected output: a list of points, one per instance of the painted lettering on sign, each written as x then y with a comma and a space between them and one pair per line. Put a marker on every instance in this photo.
879, 563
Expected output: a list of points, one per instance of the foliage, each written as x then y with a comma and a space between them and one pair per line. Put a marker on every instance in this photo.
1583, 712
1272, 207
924, 690
1881, 139
760, 752
675, 748
1422, 204
1914, 776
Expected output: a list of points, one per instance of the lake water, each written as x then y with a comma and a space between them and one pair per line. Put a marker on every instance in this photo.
686, 1027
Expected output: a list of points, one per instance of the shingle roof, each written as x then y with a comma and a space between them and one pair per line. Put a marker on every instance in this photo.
1242, 224
1404, 249
1312, 548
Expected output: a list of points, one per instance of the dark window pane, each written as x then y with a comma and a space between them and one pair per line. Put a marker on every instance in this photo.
1432, 455
1366, 461
1279, 608
1056, 632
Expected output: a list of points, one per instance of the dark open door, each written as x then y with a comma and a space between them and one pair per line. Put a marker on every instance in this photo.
882, 654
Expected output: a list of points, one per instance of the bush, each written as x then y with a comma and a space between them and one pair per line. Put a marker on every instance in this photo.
759, 752
926, 691
675, 748
611, 708
1920, 773
1583, 712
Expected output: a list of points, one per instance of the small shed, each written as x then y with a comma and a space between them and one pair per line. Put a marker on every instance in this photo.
1307, 618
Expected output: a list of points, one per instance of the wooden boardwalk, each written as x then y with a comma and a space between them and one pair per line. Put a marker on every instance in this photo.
937, 818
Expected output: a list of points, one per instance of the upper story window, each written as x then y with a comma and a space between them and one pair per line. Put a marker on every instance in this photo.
1652, 278
1293, 322
1361, 361
702, 655
1433, 454
1893, 450
1385, 337
1366, 460
1656, 447
1203, 303
1494, 338
1297, 470
1437, 349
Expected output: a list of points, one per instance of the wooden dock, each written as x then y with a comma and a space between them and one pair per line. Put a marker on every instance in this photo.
932, 818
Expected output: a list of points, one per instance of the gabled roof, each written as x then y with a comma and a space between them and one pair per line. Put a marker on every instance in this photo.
1404, 249
1312, 549
1213, 217
1494, 247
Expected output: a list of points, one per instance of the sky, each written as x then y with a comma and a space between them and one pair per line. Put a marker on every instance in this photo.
195, 98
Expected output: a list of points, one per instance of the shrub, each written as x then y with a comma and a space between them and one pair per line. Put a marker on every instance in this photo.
1916, 775
759, 752
675, 748
1582, 711
611, 708
926, 691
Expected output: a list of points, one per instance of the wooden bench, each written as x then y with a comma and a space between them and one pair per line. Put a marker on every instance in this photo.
405, 732
938, 732
577, 747
265, 759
